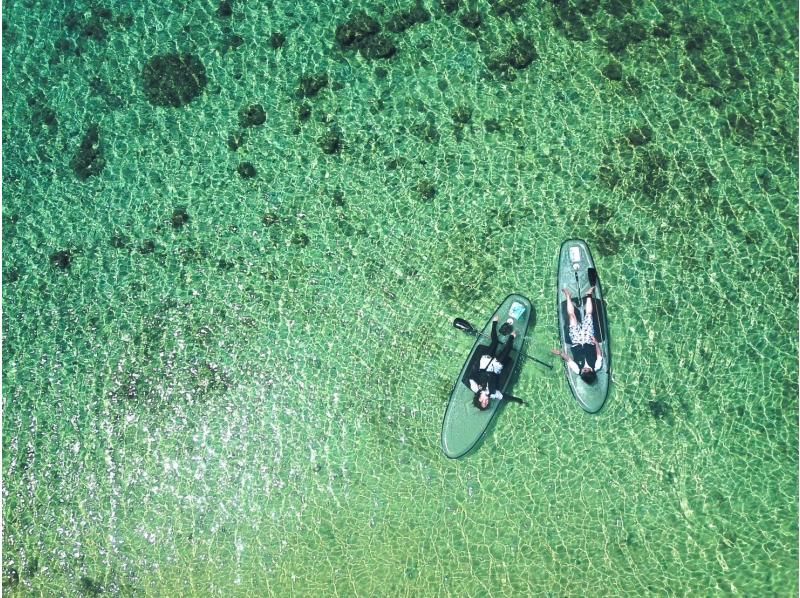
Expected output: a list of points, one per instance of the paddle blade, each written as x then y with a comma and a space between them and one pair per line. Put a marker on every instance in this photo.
464, 326
592, 273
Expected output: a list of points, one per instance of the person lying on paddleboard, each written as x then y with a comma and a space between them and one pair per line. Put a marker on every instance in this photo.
490, 369
586, 359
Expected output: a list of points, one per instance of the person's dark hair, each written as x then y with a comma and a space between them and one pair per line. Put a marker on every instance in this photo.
476, 400
589, 377
506, 328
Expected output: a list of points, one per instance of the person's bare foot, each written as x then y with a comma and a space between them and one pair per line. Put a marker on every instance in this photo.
566, 292
590, 291
495, 319
510, 321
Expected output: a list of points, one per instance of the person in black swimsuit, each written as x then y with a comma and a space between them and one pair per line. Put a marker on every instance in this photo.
490, 367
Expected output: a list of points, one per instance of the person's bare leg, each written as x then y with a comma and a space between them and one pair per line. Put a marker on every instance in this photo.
589, 302
573, 319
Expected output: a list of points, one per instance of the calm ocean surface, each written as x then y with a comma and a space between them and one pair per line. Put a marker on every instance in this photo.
235, 235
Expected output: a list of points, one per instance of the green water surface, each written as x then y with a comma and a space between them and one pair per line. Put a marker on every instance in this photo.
248, 402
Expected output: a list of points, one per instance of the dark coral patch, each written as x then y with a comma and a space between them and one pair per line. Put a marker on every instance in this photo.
65, 46
180, 218
88, 26
173, 80
94, 30
626, 34
492, 125
599, 213
300, 239
252, 116
741, 125
10, 578
61, 259
270, 218
426, 189
645, 172
101, 12
277, 40
246, 170
706, 72
231, 42
311, 85
236, 140
619, 8
568, 20
607, 243
380, 46
73, 21
471, 19
613, 71
508, 8
427, 130
103, 90
332, 141
362, 33
10, 276
659, 409
356, 32
225, 9
662, 30
43, 118
461, 115
764, 178
695, 42
450, 6
632, 85
303, 112
90, 586
639, 136
338, 198
405, 19
119, 241
519, 55
88, 160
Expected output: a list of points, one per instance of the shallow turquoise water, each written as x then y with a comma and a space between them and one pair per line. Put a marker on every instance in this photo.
250, 403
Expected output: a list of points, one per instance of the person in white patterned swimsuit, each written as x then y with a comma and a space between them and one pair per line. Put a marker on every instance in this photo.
586, 359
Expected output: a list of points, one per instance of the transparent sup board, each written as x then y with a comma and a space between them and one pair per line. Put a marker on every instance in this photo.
464, 424
574, 270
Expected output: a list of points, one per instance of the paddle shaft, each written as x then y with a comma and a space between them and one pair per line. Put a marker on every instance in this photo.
592, 273
521, 353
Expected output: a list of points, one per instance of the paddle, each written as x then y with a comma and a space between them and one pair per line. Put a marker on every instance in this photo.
465, 326
592, 273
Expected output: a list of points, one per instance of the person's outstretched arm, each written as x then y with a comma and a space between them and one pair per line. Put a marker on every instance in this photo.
570, 362
598, 352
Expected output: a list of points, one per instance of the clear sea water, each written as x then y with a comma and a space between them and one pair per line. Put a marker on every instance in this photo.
225, 386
